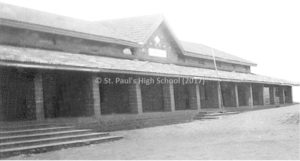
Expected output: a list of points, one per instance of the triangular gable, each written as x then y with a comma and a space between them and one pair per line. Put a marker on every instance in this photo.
164, 30
134, 29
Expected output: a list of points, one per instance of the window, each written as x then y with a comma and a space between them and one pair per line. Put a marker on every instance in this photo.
157, 52
127, 51
157, 40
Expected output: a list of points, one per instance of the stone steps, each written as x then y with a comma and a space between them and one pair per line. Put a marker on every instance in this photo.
49, 140
33, 130
24, 126
55, 146
42, 138
41, 135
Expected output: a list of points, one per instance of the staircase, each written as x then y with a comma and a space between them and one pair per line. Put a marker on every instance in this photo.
44, 137
212, 115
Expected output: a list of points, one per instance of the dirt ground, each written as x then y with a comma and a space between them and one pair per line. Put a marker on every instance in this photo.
263, 134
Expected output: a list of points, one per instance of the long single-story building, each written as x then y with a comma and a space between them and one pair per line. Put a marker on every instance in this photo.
119, 73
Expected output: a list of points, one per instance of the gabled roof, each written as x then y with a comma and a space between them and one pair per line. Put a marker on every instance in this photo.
203, 51
133, 31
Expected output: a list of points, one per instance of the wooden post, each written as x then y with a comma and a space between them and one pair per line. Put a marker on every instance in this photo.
198, 97
96, 96
236, 95
39, 97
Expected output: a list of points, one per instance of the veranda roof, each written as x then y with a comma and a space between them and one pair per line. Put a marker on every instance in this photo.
46, 59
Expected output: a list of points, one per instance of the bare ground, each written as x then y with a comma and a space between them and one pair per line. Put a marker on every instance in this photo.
263, 134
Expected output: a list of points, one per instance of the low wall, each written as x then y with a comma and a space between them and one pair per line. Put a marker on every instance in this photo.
134, 121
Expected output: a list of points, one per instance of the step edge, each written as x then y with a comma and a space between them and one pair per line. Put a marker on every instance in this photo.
48, 133
58, 144
52, 139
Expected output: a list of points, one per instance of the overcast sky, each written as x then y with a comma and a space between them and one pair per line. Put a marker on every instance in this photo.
266, 32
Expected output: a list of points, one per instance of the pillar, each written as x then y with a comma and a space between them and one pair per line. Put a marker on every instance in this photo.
39, 98
281, 95
96, 97
219, 96
193, 96
258, 94
250, 96
135, 98
272, 96
291, 94
262, 94
168, 94
236, 91
198, 97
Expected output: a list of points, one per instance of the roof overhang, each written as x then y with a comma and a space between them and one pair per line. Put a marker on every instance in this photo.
45, 59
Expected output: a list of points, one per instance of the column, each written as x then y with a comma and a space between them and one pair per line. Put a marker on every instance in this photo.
39, 98
251, 96
219, 96
192, 96
272, 98
236, 91
291, 94
263, 94
198, 96
274, 95
282, 95
135, 98
168, 94
96, 96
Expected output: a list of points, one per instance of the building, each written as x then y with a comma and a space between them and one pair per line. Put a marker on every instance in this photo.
55, 67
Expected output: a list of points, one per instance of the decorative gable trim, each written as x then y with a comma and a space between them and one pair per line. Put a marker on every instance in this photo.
156, 27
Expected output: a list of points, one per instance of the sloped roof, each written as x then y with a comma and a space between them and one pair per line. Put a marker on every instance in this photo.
133, 30
128, 31
194, 49
38, 58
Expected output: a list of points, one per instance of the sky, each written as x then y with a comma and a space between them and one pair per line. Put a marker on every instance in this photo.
266, 32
